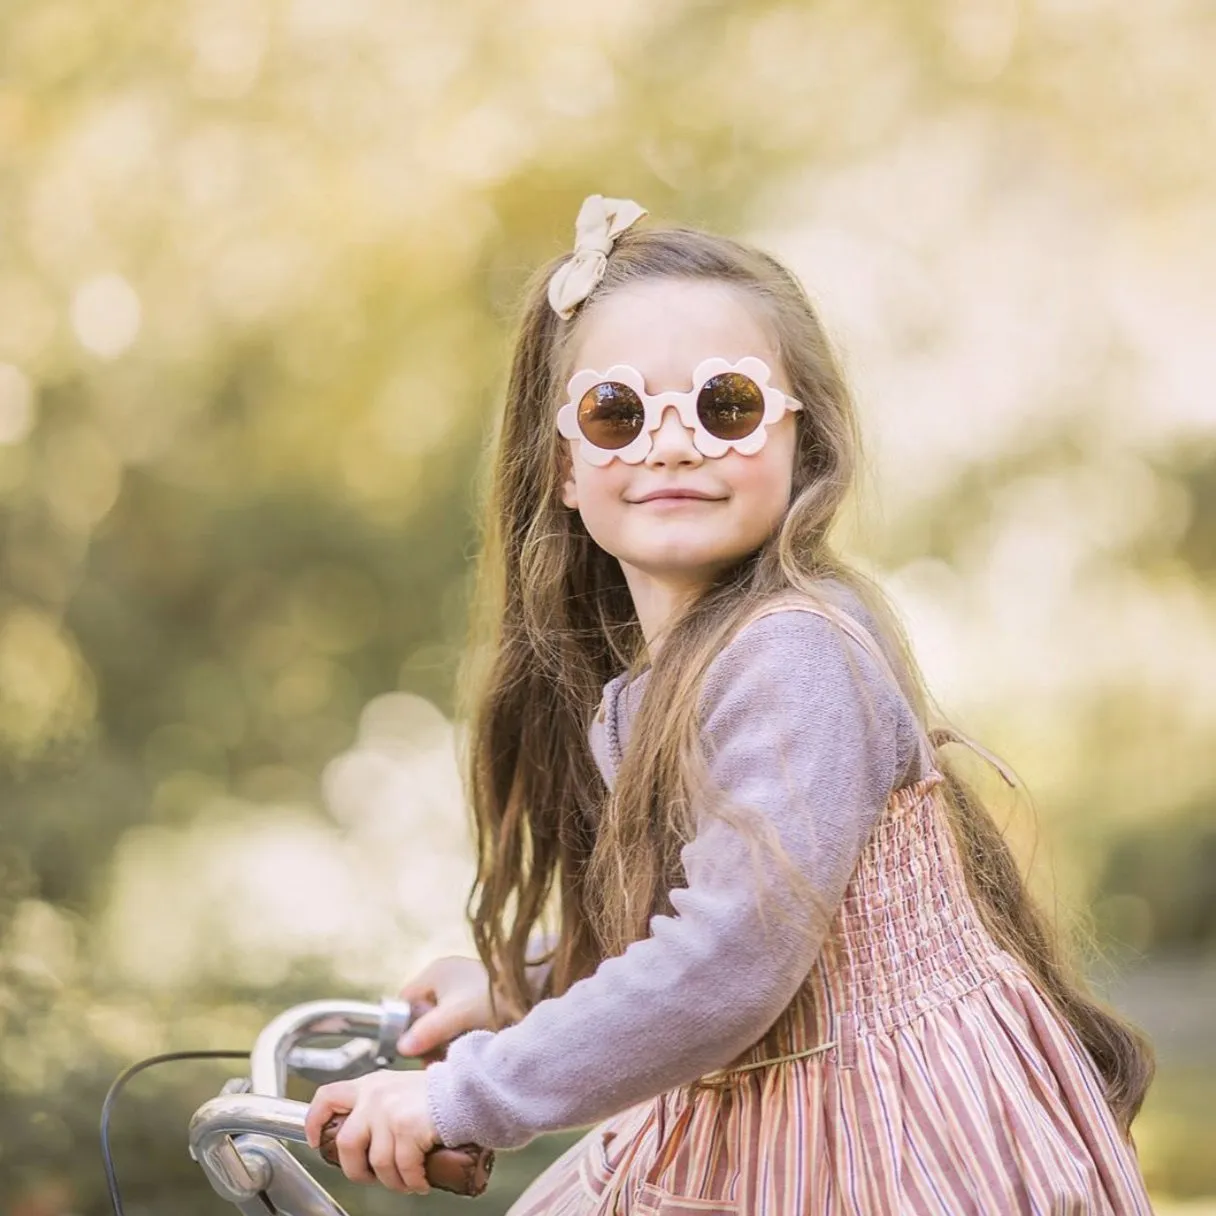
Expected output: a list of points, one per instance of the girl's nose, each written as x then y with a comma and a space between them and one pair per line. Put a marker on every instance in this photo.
672, 442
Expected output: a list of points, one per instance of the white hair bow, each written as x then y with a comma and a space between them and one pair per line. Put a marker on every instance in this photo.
600, 221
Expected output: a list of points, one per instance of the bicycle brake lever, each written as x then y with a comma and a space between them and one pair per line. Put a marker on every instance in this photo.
394, 1022
359, 1056
323, 1064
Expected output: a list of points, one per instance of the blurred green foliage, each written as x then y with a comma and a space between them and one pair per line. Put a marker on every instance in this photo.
257, 265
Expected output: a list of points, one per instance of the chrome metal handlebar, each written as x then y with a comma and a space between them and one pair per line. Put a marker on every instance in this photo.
278, 1046
238, 1138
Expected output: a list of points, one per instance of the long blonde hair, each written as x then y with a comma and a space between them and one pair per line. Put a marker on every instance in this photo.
554, 622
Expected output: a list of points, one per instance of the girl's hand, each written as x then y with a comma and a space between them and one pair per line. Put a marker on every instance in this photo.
388, 1129
460, 990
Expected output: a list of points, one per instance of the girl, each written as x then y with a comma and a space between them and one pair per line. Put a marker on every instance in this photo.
795, 968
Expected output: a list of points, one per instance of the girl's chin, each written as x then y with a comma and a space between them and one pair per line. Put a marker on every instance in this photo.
680, 562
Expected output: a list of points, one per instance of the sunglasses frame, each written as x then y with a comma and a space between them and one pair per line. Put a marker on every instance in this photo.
654, 405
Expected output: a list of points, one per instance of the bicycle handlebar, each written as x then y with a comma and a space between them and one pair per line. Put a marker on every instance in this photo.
258, 1109
383, 1023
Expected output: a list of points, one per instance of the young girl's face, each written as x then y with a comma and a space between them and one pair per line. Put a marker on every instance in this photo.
664, 329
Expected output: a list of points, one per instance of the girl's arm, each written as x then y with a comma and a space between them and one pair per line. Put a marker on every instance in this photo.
803, 728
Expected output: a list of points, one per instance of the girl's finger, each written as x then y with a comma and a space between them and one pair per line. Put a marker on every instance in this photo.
336, 1098
422, 987
428, 984
352, 1142
441, 1025
411, 1166
382, 1157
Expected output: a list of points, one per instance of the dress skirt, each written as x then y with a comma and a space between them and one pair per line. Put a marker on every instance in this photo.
919, 1070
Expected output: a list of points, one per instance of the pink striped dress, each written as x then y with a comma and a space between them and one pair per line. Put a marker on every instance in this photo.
918, 1070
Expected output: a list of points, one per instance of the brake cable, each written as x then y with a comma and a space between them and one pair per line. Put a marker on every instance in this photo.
120, 1081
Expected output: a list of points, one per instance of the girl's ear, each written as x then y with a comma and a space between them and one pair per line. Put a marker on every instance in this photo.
569, 486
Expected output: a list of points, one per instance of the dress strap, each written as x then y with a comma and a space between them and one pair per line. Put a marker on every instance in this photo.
720, 1074
939, 736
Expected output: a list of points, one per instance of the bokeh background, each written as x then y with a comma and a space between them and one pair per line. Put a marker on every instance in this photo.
258, 267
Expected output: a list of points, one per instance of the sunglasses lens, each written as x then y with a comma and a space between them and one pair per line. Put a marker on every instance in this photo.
730, 405
610, 415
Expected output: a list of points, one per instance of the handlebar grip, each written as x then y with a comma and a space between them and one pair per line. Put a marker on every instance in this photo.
463, 1170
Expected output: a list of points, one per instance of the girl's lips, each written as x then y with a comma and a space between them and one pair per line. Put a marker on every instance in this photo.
676, 496
672, 502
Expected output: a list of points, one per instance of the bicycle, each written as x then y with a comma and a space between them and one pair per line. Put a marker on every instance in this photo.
240, 1137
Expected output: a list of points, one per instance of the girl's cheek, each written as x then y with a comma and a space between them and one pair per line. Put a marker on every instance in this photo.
606, 486
598, 501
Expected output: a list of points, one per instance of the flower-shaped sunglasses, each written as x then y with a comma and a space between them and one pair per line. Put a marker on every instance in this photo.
729, 408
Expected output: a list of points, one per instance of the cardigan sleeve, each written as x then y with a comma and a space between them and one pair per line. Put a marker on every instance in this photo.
800, 727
